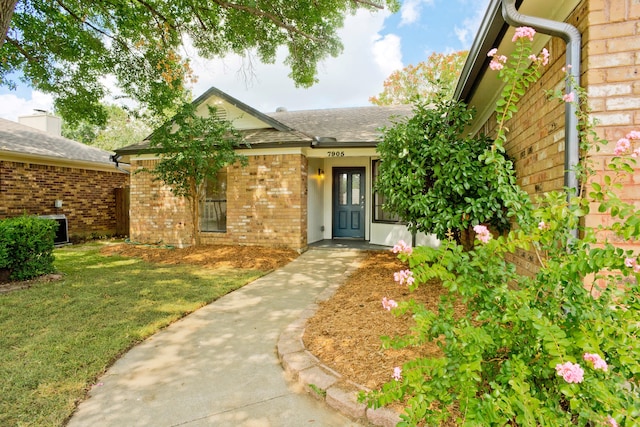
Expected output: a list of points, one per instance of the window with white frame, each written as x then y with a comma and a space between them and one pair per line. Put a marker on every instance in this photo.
379, 214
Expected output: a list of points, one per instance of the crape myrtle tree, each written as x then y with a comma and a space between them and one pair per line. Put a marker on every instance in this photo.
428, 80
67, 47
193, 149
432, 177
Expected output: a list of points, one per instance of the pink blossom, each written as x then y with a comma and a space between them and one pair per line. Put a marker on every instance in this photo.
401, 246
598, 362
397, 373
569, 97
524, 32
482, 233
636, 152
636, 268
545, 56
629, 262
542, 225
388, 304
634, 134
622, 146
612, 421
572, 373
403, 276
495, 65
492, 52
567, 68
533, 58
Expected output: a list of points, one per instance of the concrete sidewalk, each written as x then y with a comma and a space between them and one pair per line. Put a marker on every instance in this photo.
218, 366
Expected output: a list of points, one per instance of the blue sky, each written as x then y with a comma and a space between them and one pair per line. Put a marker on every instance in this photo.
375, 44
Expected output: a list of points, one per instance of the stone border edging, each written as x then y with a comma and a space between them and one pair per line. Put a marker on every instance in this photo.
319, 380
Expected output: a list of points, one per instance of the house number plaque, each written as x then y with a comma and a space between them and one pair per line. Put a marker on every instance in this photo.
335, 153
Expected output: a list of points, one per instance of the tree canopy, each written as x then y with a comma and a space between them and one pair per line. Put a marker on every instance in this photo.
430, 79
121, 129
68, 47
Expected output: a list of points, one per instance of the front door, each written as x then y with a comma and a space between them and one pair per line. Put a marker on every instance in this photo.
348, 202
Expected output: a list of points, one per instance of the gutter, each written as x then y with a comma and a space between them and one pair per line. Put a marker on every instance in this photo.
115, 158
572, 38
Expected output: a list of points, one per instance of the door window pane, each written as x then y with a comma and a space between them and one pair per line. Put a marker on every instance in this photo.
355, 189
342, 185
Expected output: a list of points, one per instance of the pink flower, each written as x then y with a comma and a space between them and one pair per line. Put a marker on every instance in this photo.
403, 276
567, 68
482, 233
545, 56
622, 146
629, 262
495, 65
388, 304
542, 225
524, 32
492, 52
572, 373
636, 152
569, 97
612, 421
636, 268
397, 373
401, 246
634, 134
598, 362
533, 58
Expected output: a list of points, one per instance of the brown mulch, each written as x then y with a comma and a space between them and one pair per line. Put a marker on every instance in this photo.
243, 257
345, 332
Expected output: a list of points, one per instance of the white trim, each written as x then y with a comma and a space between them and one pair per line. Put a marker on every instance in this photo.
61, 162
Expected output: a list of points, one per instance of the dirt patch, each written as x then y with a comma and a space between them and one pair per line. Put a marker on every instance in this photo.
243, 257
24, 284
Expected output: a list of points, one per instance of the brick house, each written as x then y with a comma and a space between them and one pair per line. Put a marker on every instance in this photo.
309, 178
600, 39
42, 173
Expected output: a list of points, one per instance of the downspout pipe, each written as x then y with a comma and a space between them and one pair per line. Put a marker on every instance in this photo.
115, 158
572, 38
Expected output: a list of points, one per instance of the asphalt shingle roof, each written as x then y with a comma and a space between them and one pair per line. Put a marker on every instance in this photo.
19, 138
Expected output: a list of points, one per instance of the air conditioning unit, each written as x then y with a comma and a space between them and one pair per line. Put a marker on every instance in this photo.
62, 233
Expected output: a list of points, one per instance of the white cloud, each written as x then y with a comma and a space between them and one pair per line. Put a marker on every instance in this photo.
13, 106
411, 9
470, 25
346, 81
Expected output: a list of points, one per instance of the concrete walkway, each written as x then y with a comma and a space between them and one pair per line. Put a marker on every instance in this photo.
218, 366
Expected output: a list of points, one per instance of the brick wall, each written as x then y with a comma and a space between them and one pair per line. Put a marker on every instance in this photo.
266, 206
88, 199
612, 73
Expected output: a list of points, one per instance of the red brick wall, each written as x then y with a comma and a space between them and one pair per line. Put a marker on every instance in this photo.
87, 196
266, 206
612, 72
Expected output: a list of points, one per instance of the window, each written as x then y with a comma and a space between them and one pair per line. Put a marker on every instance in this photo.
379, 214
213, 212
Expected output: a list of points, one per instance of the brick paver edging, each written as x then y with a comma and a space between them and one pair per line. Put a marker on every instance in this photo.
318, 379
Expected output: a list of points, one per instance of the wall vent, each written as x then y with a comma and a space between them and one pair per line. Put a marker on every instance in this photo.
62, 233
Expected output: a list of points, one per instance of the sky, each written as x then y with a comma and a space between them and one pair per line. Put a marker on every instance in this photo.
375, 45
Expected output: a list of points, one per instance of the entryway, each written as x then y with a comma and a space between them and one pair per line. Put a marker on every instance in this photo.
349, 202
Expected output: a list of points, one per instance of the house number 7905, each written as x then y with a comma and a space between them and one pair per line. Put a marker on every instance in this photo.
335, 153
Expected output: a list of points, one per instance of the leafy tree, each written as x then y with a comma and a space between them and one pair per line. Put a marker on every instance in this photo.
65, 47
432, 177
193, 149
121, 129
436, 77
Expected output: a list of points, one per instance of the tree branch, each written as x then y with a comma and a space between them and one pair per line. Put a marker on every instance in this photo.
271, 17
23, 52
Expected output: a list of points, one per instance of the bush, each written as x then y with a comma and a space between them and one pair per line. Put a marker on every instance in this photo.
26, 246
559, 348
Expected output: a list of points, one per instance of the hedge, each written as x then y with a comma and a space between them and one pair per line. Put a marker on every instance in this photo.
26, 246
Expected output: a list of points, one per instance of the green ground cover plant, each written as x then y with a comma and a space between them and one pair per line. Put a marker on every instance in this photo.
26, 246
559, 348
56, 338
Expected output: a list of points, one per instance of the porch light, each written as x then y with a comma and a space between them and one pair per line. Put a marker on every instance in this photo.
321, 173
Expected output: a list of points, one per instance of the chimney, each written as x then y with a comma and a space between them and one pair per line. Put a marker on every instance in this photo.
44, 121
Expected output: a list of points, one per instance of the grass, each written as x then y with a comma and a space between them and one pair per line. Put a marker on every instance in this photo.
57, 338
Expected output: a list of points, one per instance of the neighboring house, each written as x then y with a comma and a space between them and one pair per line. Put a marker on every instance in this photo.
604, 44
309, 178
42, 173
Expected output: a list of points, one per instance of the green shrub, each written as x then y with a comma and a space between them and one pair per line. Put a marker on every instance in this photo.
26, 246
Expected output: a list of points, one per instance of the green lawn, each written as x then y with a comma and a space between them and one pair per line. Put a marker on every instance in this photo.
57, 338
